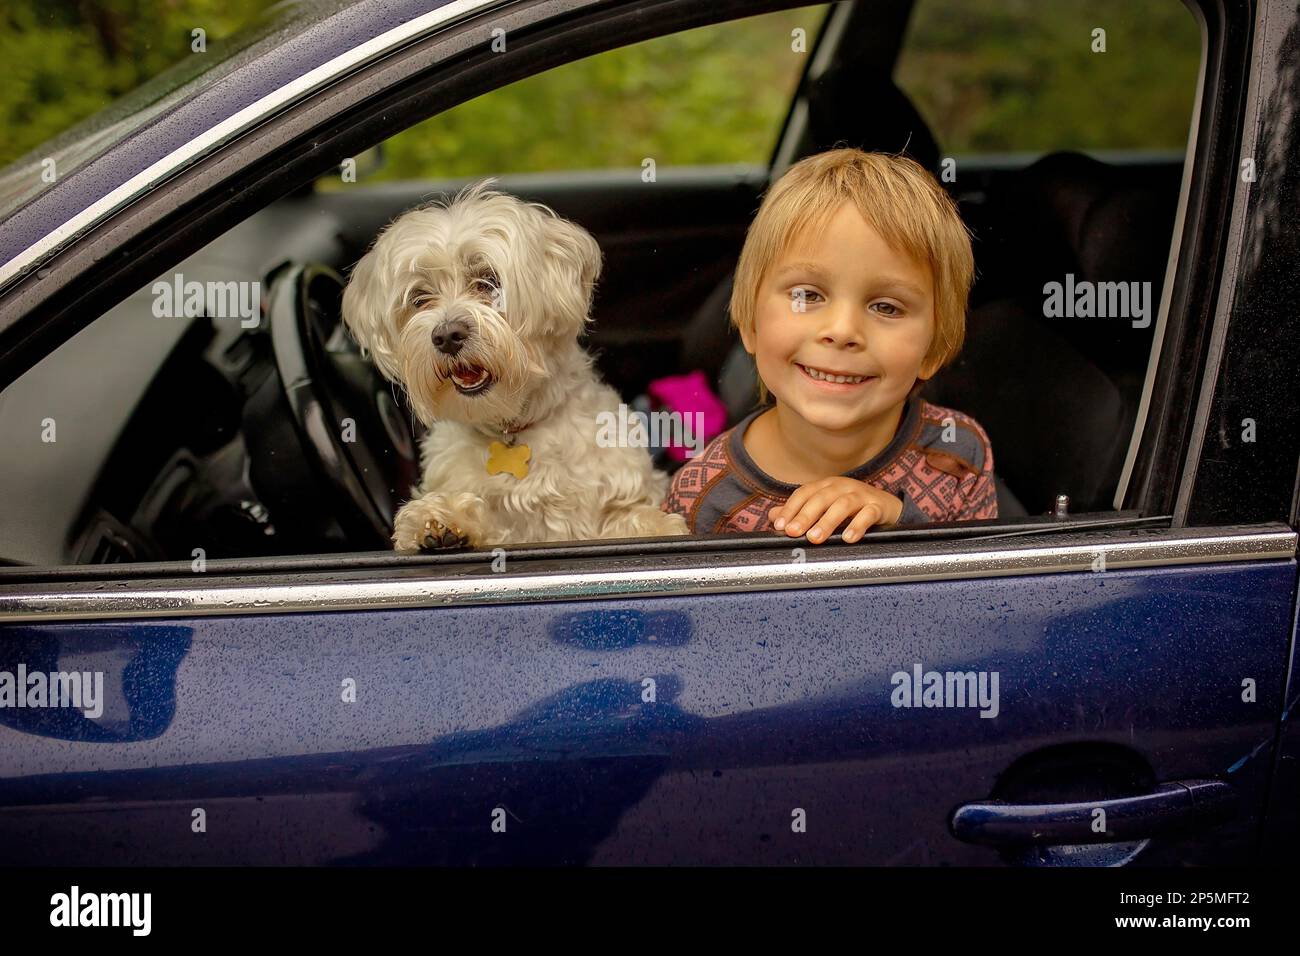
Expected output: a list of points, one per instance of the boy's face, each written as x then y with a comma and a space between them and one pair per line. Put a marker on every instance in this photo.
842, 301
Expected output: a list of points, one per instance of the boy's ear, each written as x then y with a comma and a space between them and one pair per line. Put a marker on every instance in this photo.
929, 368
747, 339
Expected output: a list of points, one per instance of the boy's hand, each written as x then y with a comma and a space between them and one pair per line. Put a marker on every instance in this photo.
820, 506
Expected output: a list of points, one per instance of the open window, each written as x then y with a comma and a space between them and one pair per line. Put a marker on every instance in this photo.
169, 431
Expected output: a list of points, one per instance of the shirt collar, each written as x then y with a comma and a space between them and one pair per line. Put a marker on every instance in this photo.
908, 423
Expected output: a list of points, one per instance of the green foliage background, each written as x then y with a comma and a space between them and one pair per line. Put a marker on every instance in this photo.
1021, 75
65, 60
989, 75
717, 94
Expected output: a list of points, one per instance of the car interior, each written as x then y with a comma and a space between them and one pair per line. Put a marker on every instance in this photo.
203, 431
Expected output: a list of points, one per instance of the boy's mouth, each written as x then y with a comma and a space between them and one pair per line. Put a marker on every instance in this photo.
831, 377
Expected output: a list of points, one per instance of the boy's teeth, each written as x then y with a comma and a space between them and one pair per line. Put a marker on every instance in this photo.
822, 376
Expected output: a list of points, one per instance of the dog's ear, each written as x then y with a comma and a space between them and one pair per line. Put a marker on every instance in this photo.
368, 313
574, 263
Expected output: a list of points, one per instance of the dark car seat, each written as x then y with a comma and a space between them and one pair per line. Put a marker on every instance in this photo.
1112, 224
1059, 396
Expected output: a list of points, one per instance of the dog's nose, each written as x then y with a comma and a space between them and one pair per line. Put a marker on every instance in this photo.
450, 336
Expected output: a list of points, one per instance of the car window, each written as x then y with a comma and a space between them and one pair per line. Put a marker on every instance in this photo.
193, 443
716, 94
1061, 127
117, 467
1034, 76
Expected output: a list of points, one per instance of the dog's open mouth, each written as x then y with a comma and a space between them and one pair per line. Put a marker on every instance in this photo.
470, 379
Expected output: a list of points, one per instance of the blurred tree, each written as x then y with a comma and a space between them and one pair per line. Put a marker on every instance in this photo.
989, 75
717, 94
1021, 75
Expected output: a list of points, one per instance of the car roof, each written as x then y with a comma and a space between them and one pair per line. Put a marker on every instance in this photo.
152, 133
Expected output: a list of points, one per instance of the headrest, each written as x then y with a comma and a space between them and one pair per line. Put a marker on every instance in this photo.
1114, 226
856, 105
1051, 415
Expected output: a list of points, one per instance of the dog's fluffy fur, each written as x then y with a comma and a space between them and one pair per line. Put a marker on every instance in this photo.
515, 281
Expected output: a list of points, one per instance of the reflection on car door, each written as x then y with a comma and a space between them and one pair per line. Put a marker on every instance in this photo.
765, 708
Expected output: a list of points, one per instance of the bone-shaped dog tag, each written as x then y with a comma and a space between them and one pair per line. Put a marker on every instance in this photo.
508, 458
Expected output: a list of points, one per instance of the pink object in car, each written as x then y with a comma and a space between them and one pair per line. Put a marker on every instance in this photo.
687, 395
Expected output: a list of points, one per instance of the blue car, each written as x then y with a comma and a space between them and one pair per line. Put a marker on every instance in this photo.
211, 654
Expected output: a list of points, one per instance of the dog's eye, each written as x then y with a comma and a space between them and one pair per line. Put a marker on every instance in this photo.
487, 281
422, 299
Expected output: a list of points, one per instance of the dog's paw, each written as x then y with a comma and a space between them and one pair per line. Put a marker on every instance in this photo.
674, 524
423, 527
437, 536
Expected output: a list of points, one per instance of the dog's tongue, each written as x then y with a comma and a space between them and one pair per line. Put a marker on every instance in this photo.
469, 375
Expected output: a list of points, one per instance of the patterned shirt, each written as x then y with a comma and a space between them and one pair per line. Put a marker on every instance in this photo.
722, 490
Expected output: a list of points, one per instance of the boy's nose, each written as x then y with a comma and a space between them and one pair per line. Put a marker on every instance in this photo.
843, 329
850, 340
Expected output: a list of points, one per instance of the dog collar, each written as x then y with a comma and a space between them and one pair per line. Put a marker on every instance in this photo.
510, 428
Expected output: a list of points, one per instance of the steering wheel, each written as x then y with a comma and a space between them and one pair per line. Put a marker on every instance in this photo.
330, 449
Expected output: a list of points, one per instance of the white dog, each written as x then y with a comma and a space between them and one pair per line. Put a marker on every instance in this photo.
476, 307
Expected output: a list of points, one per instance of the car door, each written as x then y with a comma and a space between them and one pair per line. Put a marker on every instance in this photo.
545, 714
1076, 689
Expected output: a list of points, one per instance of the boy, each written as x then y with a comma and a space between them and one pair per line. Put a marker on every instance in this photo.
850, 292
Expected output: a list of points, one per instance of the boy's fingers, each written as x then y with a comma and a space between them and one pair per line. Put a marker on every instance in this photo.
782, 514
869, 515
825, 527
807, 516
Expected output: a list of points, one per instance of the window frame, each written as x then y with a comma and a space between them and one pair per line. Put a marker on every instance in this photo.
1226, 480
1164, 446
451, 66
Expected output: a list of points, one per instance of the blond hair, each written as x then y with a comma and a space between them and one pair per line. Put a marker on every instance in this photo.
897, 198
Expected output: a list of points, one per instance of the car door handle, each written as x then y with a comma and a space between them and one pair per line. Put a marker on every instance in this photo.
1175, 806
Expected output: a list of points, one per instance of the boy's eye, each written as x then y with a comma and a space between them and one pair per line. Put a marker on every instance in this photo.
801, 296
887, 308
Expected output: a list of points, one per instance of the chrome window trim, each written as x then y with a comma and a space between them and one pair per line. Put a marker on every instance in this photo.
453, 585
1233, 252
1171, 271
240, 122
